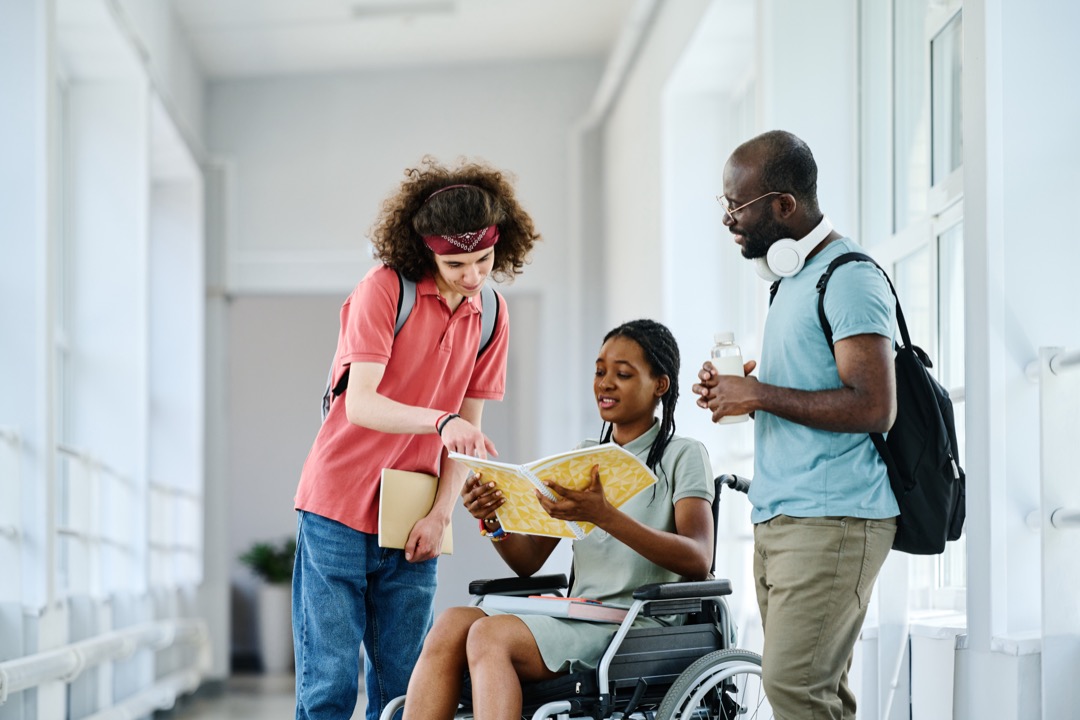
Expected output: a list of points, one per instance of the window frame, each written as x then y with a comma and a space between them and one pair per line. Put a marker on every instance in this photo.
944, 210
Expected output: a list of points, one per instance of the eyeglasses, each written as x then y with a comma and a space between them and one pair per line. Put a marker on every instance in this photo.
731, 211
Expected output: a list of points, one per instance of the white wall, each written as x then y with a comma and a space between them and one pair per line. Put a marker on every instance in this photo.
808, 81
634, 166
169, 62
1020, 295
310, 159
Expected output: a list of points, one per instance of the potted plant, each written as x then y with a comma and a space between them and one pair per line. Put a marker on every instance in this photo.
273, 562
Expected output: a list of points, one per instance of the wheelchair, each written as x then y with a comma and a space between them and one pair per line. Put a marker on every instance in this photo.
684, 672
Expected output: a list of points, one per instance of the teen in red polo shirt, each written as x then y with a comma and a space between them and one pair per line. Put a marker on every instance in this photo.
407, 401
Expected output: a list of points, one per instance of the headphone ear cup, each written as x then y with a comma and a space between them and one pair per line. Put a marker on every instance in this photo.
784, 257
761, 267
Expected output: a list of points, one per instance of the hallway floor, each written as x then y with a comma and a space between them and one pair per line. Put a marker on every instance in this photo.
249, 697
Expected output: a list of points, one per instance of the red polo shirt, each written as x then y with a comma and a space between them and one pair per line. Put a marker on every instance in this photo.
433, 365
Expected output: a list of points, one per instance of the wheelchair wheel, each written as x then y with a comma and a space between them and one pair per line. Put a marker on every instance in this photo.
723, 685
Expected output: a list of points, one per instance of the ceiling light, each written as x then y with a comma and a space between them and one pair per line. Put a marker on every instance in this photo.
400, 8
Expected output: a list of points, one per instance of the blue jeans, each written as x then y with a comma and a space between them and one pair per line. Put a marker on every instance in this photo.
348, 592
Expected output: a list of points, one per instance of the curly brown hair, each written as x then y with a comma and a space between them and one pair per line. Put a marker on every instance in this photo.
487, 199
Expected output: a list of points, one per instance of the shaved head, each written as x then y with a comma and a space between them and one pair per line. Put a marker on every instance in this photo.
785, 164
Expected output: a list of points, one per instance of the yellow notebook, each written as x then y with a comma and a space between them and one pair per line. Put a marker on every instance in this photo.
404, 498
622, 474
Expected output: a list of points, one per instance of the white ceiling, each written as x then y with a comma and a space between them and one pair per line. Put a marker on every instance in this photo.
244, 38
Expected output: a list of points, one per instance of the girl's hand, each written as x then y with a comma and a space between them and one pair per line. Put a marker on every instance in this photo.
588, 505
481, 499
461, 436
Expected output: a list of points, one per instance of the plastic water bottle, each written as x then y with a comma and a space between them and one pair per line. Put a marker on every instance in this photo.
727, 359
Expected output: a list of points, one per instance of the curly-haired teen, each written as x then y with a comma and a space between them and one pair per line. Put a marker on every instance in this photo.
654, 537
407, 401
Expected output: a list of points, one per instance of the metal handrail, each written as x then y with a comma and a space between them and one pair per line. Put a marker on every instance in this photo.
175, 548
94, 538
68, 662
1060, 363
14, 439
181, 493
1063, 518
1063, 361
85, 457
161, 696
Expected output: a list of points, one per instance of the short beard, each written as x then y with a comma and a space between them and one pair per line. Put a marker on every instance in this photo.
761, 237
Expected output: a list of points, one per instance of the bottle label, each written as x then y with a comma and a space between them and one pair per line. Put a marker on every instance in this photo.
730, 365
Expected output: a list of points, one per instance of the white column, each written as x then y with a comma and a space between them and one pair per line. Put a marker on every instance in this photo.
1059, 419
27, 277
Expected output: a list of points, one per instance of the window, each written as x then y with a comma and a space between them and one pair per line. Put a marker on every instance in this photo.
911, 117
912, 214
946, 61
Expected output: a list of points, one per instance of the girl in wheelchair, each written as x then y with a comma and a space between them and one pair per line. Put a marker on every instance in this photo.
658, 536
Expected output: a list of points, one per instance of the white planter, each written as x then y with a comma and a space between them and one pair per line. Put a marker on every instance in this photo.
275, 627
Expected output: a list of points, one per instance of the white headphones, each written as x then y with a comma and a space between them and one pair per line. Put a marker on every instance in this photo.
786, 257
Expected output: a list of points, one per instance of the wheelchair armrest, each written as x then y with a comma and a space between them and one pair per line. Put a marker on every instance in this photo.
680, 590
518, 585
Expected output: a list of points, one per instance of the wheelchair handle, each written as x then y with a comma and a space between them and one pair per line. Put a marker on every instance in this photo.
735, 482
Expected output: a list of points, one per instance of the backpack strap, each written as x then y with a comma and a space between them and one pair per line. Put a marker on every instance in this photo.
489, 313
489, 309
823, 282
405, 303
406, 300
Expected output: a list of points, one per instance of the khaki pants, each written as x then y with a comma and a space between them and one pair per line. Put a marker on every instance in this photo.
814, 577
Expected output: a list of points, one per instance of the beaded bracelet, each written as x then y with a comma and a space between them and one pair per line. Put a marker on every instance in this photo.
494, 536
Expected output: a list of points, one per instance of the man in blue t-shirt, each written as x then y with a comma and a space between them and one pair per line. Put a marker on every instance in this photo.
824, 513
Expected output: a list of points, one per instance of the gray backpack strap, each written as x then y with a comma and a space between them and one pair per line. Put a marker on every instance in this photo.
489, 313
406, 302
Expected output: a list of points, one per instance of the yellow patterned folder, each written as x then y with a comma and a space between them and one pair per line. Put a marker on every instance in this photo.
622, 474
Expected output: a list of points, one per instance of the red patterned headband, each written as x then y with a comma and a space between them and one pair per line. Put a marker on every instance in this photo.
466, 242
460, 243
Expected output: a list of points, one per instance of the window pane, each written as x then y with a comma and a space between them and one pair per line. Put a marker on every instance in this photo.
911, 139
950, 362
875, 122
912, 279
952, 571
947, 53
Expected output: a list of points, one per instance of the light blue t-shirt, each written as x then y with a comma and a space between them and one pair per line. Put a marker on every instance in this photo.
800, 471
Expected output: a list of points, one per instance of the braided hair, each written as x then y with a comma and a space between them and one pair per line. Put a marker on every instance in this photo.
662, 353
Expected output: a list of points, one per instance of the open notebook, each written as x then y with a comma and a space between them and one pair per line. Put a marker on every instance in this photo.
622, 475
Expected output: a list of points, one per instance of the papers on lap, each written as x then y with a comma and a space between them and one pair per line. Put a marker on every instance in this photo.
573, 608
622, 475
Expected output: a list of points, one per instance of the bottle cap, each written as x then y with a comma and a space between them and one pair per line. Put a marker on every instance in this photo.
724, 337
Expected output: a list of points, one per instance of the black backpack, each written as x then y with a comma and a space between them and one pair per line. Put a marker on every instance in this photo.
489, 312
920, 450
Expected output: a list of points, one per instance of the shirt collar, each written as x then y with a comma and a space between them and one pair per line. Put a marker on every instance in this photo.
426, 286
643, 442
